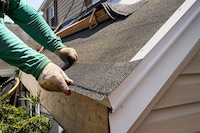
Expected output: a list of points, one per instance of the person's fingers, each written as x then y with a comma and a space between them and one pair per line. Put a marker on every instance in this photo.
61, 83
68, 55
53, 78
67, 79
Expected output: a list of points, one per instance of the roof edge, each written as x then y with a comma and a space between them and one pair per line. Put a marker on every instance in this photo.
162, 32
180, 21
136, 92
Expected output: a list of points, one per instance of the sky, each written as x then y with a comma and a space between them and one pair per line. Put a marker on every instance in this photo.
35, 3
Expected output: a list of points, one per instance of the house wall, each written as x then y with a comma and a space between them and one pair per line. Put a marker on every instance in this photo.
178, 111
69, 8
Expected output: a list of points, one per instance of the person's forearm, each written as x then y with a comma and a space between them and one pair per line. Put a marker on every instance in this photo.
34, 24
16, 53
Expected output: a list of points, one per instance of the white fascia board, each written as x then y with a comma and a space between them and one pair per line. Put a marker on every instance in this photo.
166, 59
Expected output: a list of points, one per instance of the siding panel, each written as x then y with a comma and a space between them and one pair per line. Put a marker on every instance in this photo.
184, 90
194, 65
179, 119
178, 110
64, 6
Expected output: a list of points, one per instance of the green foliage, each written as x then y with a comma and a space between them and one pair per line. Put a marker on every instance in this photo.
31, 99
17, 120
8, 22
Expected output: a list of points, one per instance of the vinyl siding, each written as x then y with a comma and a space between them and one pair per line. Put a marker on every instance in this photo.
178, 111
64, 8
177, 119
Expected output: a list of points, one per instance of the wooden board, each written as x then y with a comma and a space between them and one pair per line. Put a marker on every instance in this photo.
76, 113
101, 16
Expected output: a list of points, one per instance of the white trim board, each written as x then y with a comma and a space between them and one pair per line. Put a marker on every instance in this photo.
160, 34
169, 55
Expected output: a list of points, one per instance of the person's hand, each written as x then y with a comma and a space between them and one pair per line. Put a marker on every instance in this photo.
53, 78
68, 55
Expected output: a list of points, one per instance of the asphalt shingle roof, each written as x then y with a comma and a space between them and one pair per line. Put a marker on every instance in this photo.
105, 52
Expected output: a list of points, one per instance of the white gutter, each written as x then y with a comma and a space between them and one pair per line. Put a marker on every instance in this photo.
166, 54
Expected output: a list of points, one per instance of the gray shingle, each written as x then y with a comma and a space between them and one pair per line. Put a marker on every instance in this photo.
105, 51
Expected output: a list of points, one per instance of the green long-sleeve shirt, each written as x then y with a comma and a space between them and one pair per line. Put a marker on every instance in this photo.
14, 51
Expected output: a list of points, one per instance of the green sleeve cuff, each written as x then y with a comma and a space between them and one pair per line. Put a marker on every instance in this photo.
58, 47
40, 68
